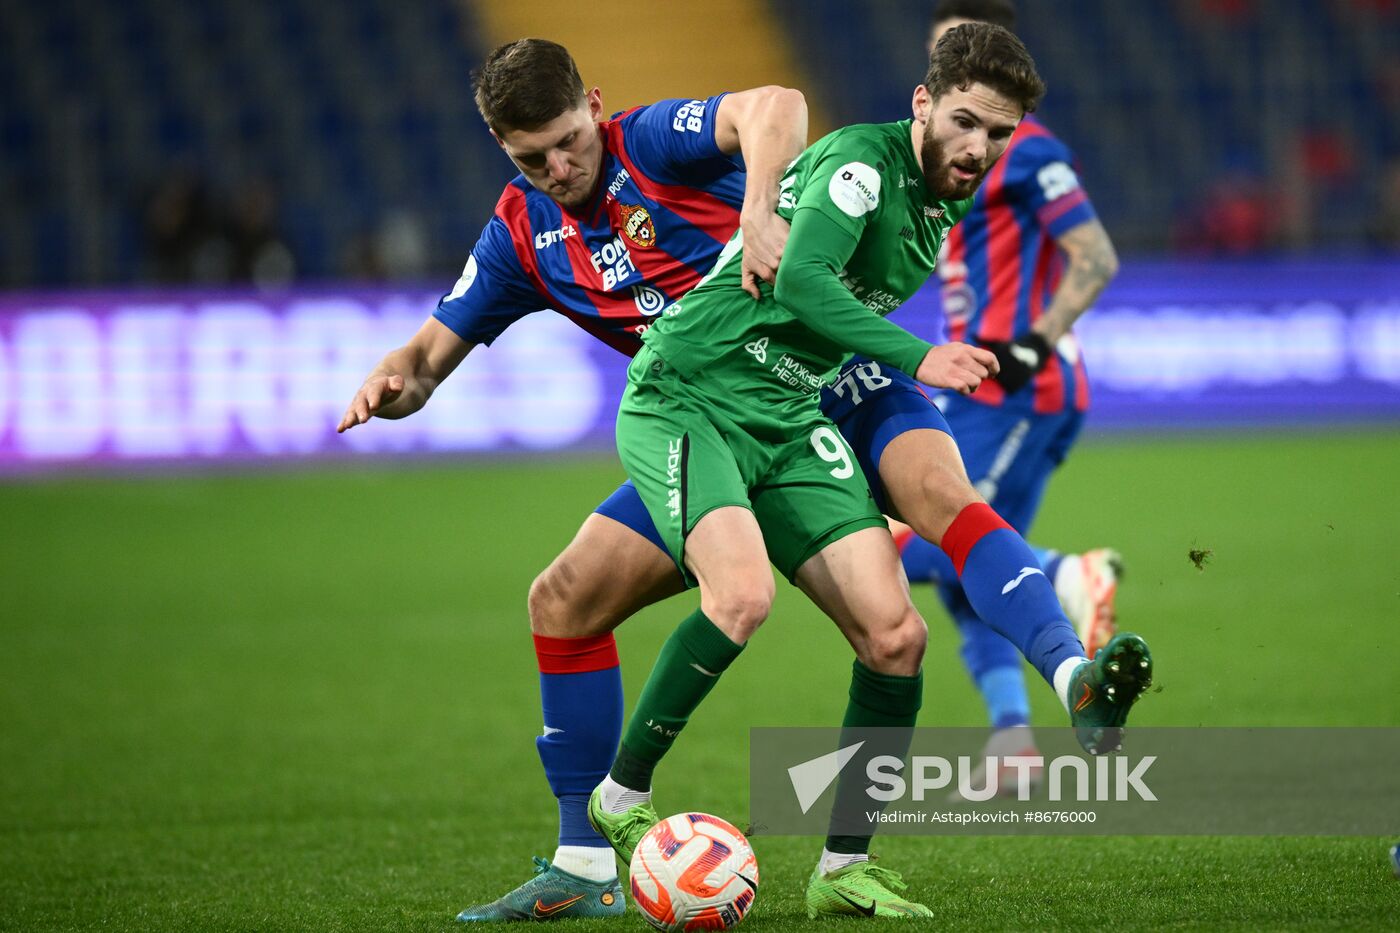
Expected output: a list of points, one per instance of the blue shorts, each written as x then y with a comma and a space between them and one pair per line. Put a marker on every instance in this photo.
1009, 454
869, 402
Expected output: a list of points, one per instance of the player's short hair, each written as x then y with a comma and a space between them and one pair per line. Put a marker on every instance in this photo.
525, 84
997, 12
983, 53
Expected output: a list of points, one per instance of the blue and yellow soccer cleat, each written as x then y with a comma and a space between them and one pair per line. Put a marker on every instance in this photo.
622, 830
860, 890
1103, 690
553, 894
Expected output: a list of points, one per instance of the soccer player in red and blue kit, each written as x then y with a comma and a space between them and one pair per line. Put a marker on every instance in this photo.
1006, 285
609, 222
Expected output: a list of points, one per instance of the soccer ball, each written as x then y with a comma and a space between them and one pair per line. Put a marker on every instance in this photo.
694, 871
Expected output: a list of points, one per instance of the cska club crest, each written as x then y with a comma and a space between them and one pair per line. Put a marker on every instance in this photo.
637, 226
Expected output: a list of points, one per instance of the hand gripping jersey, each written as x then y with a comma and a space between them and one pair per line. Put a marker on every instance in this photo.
1001, 266
865, 183
667, 201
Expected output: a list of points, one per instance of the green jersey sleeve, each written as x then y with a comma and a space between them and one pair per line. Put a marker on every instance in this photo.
809, 287
842, 183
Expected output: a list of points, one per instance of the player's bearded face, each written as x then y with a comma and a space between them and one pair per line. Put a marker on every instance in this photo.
945, 180
966, 133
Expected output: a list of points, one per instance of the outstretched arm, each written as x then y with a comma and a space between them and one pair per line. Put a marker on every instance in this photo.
406, 377
769, 126
809, 286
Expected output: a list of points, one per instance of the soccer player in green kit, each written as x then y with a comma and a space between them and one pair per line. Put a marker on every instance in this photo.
721, 432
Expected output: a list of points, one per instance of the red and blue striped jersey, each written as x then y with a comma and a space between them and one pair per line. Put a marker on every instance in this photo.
1000, 265
667, 201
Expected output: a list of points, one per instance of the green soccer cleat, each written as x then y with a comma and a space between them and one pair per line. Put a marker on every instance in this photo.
860, 890
622, 830
1103, 690
553, 894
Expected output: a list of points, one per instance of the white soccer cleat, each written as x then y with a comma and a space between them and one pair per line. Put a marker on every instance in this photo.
1016, 741
1087, 585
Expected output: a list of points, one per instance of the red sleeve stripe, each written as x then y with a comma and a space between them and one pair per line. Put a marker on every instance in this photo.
972, 525
1053, 211
576, 655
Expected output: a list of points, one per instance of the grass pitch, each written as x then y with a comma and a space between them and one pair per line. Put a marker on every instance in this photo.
307, 700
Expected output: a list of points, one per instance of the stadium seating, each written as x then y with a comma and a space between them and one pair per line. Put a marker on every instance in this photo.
1234, 87
353, 110
359, 110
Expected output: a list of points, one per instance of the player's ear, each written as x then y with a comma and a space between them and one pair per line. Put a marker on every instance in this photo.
499, 141
922, 104
595, 104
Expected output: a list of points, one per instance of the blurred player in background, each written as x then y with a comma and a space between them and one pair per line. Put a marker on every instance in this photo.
1017, 272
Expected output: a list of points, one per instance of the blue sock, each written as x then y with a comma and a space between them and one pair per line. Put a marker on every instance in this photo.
993, 663
1004, 583
1004, 691
1049, 560
925, 562
581, 692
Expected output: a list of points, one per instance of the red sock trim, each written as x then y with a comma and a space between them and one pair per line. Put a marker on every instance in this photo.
576, 655
972, 525
901, 540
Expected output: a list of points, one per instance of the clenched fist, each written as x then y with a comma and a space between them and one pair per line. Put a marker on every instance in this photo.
957, 366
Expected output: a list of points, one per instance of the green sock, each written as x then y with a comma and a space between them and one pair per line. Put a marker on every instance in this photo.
686, 670
877, 700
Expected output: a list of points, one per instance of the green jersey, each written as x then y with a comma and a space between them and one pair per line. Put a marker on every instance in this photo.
865, 236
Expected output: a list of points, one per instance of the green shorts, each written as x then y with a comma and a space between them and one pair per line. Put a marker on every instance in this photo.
688, 455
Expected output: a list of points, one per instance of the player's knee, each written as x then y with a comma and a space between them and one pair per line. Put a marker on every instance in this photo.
555, 607
738, 612
898, 647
